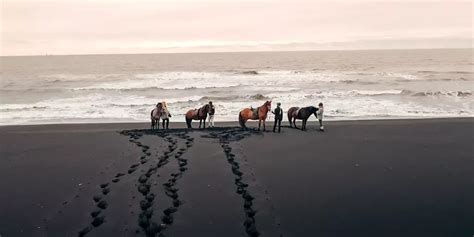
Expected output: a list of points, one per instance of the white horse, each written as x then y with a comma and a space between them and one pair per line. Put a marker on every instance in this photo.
160, 112
155, 116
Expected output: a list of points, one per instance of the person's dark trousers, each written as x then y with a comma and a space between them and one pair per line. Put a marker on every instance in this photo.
166, 122
275, 124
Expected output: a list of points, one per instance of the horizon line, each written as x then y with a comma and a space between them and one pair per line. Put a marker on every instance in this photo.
237, 51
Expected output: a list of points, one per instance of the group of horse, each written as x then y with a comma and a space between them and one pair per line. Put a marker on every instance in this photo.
259, 113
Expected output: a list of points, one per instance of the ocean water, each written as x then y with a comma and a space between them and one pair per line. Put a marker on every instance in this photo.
370, 84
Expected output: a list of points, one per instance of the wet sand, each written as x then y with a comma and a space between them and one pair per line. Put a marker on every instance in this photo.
358, 178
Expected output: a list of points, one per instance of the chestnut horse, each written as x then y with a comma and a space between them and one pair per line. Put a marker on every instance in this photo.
259, 113
198, 114
301, 113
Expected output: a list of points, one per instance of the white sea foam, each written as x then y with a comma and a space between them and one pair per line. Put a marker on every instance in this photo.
126, 88
339, 104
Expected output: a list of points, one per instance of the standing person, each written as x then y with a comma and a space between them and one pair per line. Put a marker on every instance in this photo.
212, 111
165, 115
278, 112
319, 114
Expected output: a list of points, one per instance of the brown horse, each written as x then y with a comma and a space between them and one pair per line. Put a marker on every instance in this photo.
259, 114
197, 114
304, 113
155, 116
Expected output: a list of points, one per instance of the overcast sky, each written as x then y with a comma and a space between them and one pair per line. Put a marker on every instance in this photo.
32, 27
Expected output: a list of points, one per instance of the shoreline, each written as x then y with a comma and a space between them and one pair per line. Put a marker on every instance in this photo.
284, 122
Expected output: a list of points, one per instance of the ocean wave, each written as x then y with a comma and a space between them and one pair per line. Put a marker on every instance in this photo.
209, 80
250, 72
411, 93
55, 78
339, 104
461, 72
153, 88
448, 79
447, 72
437, 93
356, 81
372, 93
21, 107
234, 98
375, 92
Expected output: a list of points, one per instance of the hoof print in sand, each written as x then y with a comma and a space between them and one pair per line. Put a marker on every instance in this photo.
84, 231
97, 198
105, 191
102, 204
98, 221
95, 213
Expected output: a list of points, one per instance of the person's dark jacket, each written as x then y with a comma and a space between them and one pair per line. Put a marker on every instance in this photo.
278, 113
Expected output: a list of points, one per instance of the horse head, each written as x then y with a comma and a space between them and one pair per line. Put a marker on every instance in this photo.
206, 108
268, 104
313, 110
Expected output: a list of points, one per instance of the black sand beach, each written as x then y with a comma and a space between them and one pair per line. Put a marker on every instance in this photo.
358, 178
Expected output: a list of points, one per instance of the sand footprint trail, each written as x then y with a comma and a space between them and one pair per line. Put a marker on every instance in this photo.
157, 199
225, 137
101, 201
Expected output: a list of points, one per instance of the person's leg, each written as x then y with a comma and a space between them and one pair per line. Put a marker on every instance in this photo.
321, 124
212, 120
275, 124
279, 125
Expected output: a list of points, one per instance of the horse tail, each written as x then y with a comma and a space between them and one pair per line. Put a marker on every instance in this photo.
188, 121
241, 120
289, 117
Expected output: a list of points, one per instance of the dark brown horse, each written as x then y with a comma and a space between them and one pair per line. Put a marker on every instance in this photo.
259, 114
304, 113
197, 114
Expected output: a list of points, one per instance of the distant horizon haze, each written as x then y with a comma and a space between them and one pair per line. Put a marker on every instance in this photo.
73, 27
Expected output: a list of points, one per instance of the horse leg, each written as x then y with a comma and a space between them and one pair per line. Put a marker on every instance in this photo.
303, 126
264, 125
259, 122
294, 122
289, 120
188, 122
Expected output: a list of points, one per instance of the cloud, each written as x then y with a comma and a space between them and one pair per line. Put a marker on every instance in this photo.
74, 27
